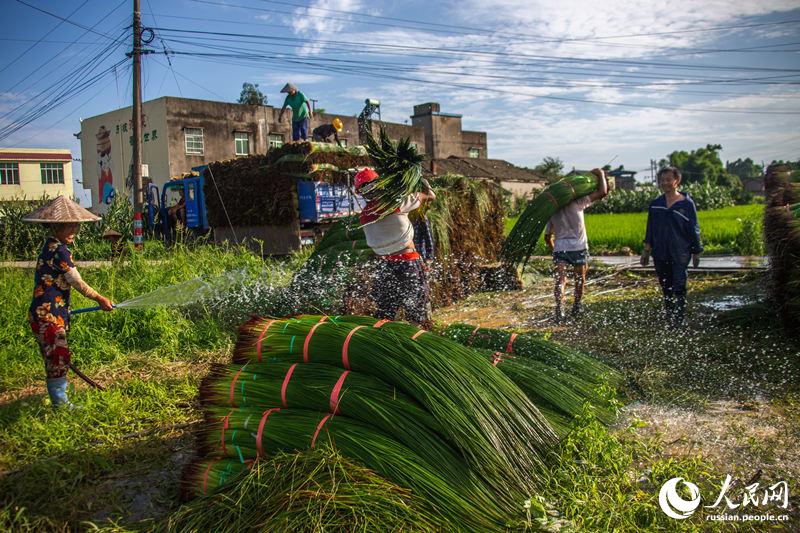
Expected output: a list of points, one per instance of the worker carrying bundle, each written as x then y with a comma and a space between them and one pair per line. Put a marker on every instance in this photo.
565, 234
56, 274
323, 133
400, 279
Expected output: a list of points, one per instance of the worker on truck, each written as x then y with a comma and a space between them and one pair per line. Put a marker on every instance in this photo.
565, 234
301, 111
400, 279
323, 133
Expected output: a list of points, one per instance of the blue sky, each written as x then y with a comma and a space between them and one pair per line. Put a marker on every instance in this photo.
586, 81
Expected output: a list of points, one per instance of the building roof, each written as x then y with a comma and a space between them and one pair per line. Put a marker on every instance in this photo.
35, 154
493, 169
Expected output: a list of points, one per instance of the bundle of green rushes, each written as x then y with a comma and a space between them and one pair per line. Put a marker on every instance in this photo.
398, 168
314, 490
521, 242
476, 411
534, 346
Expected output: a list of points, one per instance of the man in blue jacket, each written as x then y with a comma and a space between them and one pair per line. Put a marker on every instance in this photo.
673, 238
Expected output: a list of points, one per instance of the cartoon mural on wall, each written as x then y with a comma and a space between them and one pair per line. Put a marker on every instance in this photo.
105, 184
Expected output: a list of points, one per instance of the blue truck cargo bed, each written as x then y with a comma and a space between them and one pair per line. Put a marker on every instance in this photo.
319, 201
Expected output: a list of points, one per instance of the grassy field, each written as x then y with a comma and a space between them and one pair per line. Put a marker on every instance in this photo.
609, 233
115, 464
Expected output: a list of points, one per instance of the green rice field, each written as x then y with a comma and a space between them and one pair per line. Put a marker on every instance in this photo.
719, 228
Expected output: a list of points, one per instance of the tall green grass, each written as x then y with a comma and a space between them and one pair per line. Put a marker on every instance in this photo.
719, 230
99, 338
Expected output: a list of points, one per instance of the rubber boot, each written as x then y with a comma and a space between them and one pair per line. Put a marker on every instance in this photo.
57, 389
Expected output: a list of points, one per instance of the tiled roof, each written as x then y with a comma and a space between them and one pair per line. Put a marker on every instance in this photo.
35, 156
493, 169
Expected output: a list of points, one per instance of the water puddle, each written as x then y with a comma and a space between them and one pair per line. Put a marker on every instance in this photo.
727, 303
710, 262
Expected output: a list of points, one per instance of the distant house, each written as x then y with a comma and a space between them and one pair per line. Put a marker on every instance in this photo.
518, 181
623, 179
31, 173
753, 185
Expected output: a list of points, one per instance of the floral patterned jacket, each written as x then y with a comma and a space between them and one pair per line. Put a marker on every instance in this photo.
51, 293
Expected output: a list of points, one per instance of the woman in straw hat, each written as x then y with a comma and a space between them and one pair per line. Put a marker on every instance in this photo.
55, 275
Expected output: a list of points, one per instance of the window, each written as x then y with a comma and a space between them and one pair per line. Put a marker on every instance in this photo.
474, 153
9, 173
52, 173
242, 141
194, 140
275, 140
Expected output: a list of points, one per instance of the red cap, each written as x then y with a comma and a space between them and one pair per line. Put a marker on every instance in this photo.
365, 176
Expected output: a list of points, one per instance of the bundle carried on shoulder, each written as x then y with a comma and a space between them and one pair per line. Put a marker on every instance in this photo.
521, 242
398, 168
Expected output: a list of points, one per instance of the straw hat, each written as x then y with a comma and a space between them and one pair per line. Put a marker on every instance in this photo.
62, 209
289, 87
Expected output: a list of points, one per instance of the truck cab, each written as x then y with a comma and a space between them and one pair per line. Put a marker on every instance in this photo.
194, 208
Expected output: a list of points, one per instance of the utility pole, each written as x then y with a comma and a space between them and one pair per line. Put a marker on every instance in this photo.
653, 167
138, 193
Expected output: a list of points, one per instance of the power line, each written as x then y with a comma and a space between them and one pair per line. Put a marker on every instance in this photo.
64, 19
372, 73
31, 47
63, 50
471, 30
507, 66
467, 52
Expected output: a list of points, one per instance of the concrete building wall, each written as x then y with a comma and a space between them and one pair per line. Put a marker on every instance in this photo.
219, 122
443, 134
106, 151
472, 140
25, 163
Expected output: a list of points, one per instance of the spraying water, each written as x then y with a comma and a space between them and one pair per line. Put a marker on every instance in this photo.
180, 294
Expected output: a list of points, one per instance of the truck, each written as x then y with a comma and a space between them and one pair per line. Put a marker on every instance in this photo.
319, 204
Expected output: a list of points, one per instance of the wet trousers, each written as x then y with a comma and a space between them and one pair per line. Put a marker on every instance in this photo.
672, 276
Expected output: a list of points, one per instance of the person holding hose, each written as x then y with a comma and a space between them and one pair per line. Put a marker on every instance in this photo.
565, 234
673, 239
400, 279
55, 276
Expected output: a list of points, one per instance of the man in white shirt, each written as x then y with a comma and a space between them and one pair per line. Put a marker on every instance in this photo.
400, 279
571, 248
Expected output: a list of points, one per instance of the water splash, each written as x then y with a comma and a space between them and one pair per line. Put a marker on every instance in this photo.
185, 293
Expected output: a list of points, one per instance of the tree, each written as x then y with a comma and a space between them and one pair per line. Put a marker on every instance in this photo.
699, 166
746, 168
250, 95
552, 168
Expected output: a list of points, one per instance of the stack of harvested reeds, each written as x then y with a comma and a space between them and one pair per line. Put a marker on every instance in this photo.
261, 189
782, 240
317, 161
426, 413
521, 242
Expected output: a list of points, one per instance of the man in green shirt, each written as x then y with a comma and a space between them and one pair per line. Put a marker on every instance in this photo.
301, 111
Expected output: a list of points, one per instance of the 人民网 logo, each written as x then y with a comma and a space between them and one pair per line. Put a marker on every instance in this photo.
673, 504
